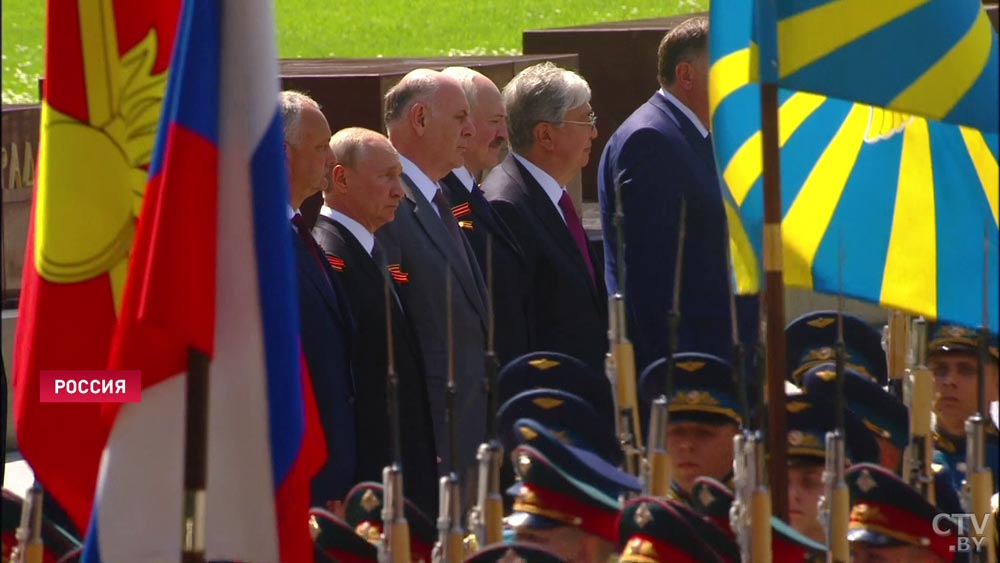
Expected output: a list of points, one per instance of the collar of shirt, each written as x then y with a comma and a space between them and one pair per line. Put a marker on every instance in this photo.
366, 239
463, 174
426, 186
291, 215
686, 111
548, 183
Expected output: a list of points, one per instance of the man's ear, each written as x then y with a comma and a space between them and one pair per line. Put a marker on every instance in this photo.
339, 175
542, 133
683, 73
418, 116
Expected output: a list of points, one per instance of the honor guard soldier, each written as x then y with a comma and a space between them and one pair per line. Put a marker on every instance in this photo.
336, 542
952, 357
713, 500
888, 420
567, 416
892, 523
703, 417
650, 530
553, 370
363, 513
810, 417
722, 542
811, 340
568, 498
517, 552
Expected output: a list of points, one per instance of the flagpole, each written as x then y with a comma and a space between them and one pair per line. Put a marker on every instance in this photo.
195, 455
774, 296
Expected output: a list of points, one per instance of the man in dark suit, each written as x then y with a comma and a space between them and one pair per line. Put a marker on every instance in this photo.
363, 195
551, 129
660, 156
427, 117
480, 222
324, 316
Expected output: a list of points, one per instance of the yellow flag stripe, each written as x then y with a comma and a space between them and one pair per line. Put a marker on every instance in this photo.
985, 165
809, 36
806, 222
99, 42
744, 167
746, 269
728, 74
910, 277
944, 84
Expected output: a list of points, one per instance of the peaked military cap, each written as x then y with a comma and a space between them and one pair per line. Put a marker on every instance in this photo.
884, 414
569, 417
810, 417
886, 511
553, 370
703, 388
651, 530
335, 541
811, 339
720, 540
712, 499
955, 338
516, 552
60, 545
562, 487
363, 512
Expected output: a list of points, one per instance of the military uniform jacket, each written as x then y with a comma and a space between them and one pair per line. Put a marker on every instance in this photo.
326, 335
363, 282
511, 298
421, 251
951, 451
661, 158
569, 311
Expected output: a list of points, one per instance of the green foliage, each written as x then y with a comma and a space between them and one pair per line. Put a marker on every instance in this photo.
363, 28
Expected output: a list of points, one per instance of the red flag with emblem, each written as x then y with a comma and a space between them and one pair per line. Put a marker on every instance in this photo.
105, 76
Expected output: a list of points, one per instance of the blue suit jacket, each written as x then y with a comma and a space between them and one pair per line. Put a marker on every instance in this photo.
326, 330
659, 157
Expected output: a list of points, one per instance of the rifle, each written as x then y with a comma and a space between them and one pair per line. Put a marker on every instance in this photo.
895, 342
919, 386
834, 507
448, 548
979, 480
395, 544
620, 361
750, 515
30, 546
486, 517
657, 478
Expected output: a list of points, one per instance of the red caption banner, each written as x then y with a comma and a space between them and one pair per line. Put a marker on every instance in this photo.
98, 386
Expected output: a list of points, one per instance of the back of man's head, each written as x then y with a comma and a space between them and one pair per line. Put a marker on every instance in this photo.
683, 43
417, 86
291, 104
349, 145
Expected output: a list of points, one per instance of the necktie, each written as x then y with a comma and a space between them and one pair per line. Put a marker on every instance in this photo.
477, 194
576, 230
309, 242
451, 225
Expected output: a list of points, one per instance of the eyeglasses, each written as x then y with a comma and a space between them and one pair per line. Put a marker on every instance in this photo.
591, 121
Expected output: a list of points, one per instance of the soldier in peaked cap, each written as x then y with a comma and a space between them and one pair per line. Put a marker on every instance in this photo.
892, 523
704, 416
517, 552
810, 417
651, 530
721, 541
567, 500
952, 356
363, 513
566, 415
811, 339
553, 370
336, 542
713, 500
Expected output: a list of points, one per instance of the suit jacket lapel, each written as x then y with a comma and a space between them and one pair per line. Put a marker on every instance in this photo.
315, 277
458, 194
435, 229
694, 138
360, 257
553, 221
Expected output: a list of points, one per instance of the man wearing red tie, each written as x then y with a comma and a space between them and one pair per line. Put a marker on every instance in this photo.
551, 127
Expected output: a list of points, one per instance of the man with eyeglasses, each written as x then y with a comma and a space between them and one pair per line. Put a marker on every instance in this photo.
551, 128
660, 158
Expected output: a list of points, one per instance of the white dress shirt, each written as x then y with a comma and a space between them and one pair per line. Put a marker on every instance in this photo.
426, 186
366, 239
686, 111
548, 183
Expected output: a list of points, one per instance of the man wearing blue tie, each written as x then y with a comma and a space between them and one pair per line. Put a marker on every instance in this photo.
660, 157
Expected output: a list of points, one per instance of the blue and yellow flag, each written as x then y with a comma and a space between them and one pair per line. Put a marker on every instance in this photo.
907, 201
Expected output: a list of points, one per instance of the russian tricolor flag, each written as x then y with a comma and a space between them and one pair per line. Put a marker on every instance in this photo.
212, 270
